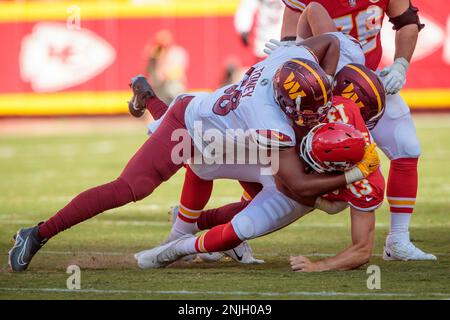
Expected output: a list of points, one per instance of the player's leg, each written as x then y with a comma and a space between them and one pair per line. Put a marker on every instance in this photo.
145, 171
194, 197
143, 98
268, 212
396, 135
217, 216
314, 21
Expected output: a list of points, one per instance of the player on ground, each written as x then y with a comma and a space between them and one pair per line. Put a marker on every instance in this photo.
395, 132
249, 106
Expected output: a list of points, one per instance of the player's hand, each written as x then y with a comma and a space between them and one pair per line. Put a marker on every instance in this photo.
274, 44
394, 76
370, 162
303, 264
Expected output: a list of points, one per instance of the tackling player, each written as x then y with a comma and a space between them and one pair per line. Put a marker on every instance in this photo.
395, 132
326, 148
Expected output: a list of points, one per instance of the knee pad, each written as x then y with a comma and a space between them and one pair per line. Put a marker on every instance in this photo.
244, 227
408, 145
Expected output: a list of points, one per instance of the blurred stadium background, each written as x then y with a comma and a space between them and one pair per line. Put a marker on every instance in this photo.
75, 58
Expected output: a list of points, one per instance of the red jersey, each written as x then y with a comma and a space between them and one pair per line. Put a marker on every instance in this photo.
362, 19
366, 194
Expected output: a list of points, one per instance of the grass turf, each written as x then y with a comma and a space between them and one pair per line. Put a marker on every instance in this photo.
40, 173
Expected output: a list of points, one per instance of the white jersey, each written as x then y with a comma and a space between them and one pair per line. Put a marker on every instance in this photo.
246, 108
245, 115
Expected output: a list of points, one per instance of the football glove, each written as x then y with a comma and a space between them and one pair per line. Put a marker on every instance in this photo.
394, 76
274, 44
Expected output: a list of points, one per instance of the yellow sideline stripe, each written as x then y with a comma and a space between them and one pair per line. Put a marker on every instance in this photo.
90, 103
427, 98
67, 103
38, 11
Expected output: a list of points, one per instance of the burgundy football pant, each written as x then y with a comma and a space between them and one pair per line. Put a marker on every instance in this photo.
148, 168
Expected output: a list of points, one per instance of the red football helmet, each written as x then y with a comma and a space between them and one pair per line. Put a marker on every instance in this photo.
303, 91
332, 147
360, 84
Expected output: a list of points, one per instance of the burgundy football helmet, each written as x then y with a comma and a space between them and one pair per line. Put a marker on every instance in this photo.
360, 84
303, 91
332, 147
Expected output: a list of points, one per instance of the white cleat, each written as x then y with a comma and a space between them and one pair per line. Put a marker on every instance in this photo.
173, 214
404, 250
161, 256
243, 253
210, 256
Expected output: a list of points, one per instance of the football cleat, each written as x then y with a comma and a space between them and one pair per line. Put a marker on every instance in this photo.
142, 91
161, 256
404, 250
27, 243
243, 253
210, 256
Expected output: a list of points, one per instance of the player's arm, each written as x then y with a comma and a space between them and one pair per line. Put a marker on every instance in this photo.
326, 48
406, 22
359, 253
300, 185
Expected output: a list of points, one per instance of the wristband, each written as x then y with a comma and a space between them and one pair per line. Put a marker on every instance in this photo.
353, 175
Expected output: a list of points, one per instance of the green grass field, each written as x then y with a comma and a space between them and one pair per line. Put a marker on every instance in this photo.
40, 172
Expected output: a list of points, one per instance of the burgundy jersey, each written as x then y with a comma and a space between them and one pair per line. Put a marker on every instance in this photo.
366, 194
362, 19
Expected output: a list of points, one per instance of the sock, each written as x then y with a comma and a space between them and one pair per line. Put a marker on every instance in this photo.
219, 238
400, 226
214, 217
401, 193
86, 205
194, 197
187, 246
156, 107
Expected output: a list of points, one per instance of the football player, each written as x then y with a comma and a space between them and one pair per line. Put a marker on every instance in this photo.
326, 148
395, 132
250, 105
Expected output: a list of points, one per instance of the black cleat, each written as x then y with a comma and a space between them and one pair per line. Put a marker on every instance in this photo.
27, 243
142, 91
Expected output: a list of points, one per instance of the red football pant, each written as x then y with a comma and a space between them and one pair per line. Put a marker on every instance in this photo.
148, 168
402, 185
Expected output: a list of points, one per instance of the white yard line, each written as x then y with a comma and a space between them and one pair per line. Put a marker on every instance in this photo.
235, 293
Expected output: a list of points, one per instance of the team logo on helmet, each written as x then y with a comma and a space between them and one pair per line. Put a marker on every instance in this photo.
361, 85
293, 87
303, 91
